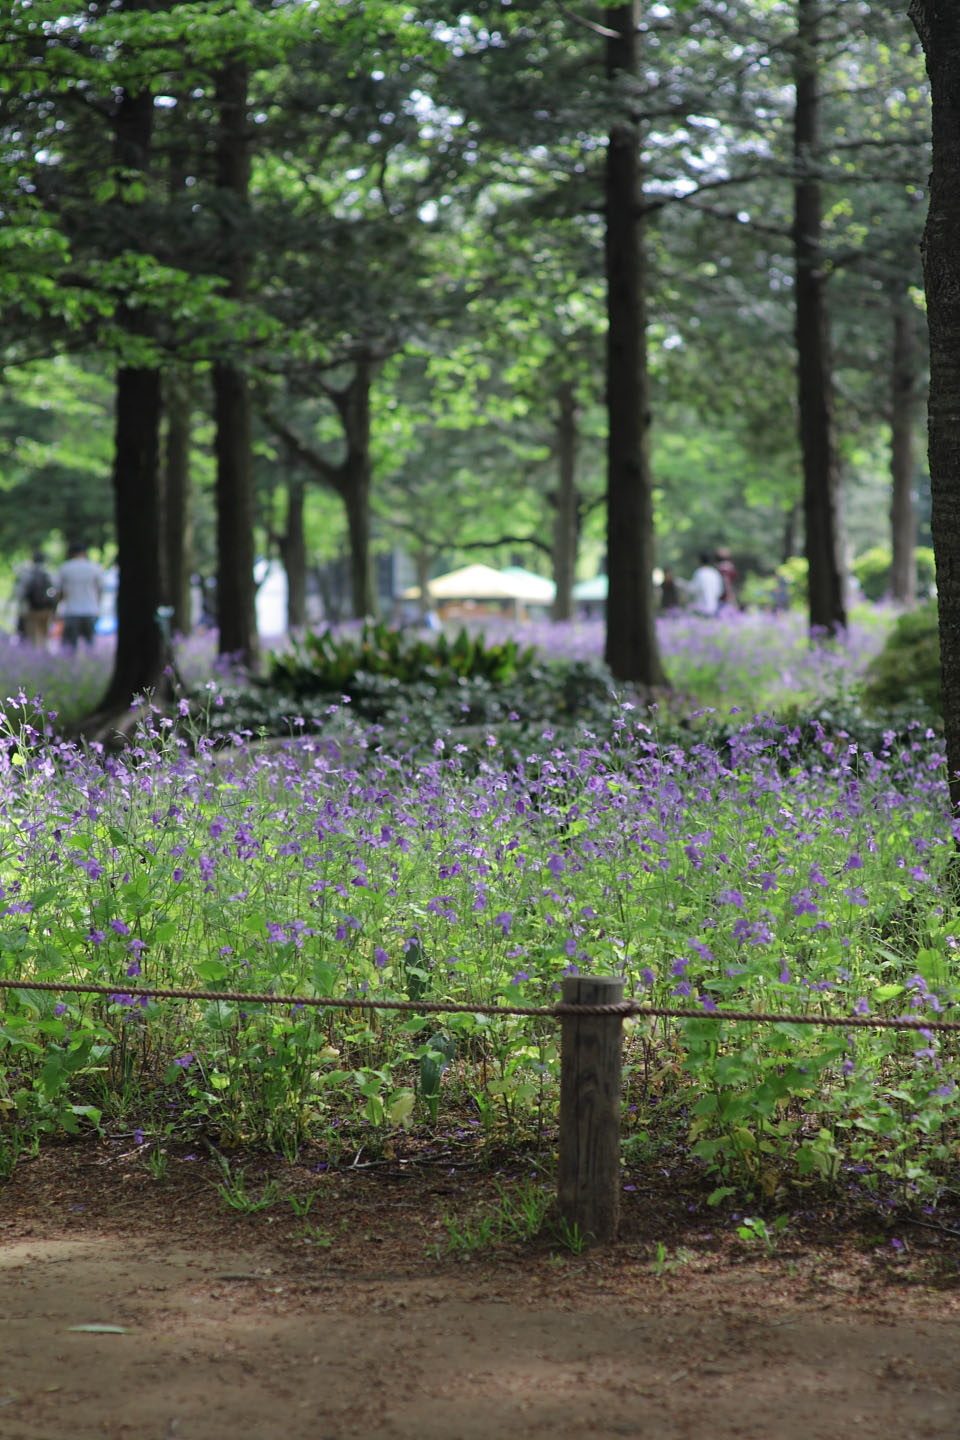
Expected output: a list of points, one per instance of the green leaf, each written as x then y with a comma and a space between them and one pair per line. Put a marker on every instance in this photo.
95, 1329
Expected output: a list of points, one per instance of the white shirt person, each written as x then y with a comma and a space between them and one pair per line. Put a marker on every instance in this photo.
80, 583
706, 587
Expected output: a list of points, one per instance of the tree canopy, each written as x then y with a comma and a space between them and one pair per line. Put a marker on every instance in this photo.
383, 250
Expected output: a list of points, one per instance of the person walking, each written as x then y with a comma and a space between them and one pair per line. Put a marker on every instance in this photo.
36, 596
669, 593
80, 584
706, 586
729, 575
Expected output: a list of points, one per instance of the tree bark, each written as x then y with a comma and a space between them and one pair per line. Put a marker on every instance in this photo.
631, 648
140, 656
565, 526
938, 25
353, 481
903, 418
788, 544
236, 592
177, 526
293, 553
821, 479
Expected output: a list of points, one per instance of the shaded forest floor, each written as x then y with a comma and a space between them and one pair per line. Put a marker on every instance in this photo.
353, 1319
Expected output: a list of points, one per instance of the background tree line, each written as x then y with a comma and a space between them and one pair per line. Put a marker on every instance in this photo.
627, 279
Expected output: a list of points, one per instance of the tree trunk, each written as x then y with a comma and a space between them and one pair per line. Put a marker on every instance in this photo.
903, 407
353, 482
293, 552
177, 526
821, 480
788, 545
236, 592
140, 657
631, 642
565, 520
938, 25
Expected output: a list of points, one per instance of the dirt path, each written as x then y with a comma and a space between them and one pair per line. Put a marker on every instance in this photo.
236, 1326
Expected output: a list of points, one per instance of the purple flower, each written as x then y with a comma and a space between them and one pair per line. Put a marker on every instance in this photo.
380, 957
184, 1061
133, 969
504, 920
119, 928
730, 897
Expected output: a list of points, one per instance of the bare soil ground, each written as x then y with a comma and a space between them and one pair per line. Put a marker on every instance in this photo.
350, 1321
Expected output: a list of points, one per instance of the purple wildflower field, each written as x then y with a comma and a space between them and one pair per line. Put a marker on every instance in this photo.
786, 871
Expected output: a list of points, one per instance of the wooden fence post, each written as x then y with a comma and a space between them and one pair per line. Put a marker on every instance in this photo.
588, 1182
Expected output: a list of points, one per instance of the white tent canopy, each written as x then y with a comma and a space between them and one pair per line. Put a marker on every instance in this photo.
482, 582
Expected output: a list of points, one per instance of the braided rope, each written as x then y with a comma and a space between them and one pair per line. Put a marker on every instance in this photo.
625, 1009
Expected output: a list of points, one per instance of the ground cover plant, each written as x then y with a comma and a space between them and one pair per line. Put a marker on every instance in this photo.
777, 872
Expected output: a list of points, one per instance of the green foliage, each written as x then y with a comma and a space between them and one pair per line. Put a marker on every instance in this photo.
324, 663
435, 1059
907, 670
926, 564
517, 1218
754, 1230
236, 1195
872, 570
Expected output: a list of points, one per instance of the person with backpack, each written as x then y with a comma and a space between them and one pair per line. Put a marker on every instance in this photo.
80, 583
36, 601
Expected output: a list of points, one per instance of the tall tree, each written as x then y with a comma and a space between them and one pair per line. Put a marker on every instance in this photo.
938, 25
904, 398
821, 478
139, 657
177, 527
631, 644
236, 591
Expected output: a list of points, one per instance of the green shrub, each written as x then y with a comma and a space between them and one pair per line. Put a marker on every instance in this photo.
761, 591
907, 670
324, 662
926, 569
872, 570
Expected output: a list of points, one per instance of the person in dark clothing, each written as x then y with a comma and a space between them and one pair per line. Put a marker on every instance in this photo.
729, 575
669, 592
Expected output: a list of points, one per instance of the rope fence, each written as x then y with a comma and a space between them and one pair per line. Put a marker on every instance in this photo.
591, 1013
625, 1009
